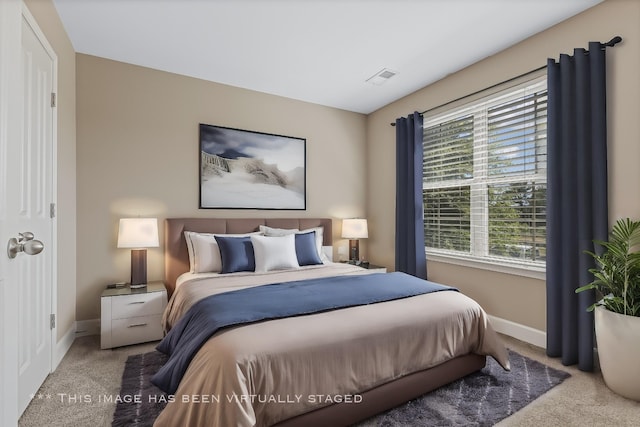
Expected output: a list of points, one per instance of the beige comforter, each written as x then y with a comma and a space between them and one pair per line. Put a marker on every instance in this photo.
266, 372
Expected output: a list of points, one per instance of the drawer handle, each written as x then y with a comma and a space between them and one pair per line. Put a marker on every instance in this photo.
137, 325
137, 302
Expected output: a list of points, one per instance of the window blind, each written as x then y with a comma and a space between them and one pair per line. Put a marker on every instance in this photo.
484, 176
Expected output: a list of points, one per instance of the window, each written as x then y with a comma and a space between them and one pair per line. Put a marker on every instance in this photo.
484, 178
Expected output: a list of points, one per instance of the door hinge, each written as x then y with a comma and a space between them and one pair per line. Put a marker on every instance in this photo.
52, 321
52, 210
53, 99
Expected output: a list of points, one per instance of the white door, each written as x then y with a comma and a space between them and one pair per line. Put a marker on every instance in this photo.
29, 194
10, 131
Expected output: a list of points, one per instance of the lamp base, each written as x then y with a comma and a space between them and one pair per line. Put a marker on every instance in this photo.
354, 251
138, 268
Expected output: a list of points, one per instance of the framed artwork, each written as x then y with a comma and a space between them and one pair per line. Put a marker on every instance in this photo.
242, 169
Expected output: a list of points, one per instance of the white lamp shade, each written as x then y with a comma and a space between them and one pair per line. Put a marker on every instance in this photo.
355, 228
138, 233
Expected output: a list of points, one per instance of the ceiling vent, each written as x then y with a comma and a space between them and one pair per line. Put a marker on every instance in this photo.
381, 76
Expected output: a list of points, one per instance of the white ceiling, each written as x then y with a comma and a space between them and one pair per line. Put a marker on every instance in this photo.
320, 51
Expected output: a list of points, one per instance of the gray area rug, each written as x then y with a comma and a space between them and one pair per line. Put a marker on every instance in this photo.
479, 399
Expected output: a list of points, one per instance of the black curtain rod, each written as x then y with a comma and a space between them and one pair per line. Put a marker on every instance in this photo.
481, 90
614, 41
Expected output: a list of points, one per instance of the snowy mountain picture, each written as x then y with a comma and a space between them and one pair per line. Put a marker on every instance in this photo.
251, 170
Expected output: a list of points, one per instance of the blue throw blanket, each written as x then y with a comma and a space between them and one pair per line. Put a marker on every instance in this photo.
276, 301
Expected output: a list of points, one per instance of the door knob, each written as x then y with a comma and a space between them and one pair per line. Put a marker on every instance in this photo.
24, 243
32, 247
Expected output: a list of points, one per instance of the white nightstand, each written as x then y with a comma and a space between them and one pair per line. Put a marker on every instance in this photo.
132, 316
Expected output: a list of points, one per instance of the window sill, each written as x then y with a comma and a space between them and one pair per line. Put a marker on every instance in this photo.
532, 271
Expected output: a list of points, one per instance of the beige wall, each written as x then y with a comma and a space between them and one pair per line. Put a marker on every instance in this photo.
47, 17
516, 298
137, 155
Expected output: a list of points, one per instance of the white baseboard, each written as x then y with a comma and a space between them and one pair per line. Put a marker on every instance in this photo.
63, 346
87, 327
518, 331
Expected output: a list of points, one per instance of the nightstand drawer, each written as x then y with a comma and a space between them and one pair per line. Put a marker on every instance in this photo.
137, 305
136, 330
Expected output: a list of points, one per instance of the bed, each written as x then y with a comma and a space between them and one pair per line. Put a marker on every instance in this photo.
332, 367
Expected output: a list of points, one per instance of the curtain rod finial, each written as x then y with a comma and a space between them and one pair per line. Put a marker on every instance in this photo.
614, 41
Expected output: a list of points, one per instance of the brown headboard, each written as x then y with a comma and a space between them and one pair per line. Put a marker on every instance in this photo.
176, 256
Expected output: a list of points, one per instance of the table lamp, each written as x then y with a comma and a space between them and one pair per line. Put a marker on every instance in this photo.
138, 234
354, 229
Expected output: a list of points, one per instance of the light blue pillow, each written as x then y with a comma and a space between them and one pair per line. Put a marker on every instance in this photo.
236, 253
306, 249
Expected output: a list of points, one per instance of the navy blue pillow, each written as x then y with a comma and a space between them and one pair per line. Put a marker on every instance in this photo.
236, 253
306, 250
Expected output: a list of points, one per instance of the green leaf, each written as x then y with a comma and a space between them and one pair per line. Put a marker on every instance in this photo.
617, 275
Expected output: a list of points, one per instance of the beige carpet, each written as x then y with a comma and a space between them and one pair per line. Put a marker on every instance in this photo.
74, 395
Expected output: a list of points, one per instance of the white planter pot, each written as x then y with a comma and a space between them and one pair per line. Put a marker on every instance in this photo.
618, 338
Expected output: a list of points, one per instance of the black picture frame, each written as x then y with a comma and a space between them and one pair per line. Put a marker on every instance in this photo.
243, 169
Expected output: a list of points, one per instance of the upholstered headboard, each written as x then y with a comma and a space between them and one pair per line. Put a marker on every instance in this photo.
176, 256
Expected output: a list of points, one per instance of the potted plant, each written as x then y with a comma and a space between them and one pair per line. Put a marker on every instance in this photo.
617, 313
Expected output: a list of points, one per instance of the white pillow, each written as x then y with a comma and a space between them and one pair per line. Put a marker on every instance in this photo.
204, 253
275, 253
269, 231
187, 238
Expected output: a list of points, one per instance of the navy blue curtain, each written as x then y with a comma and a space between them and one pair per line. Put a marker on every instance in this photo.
410, 256
577, 211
